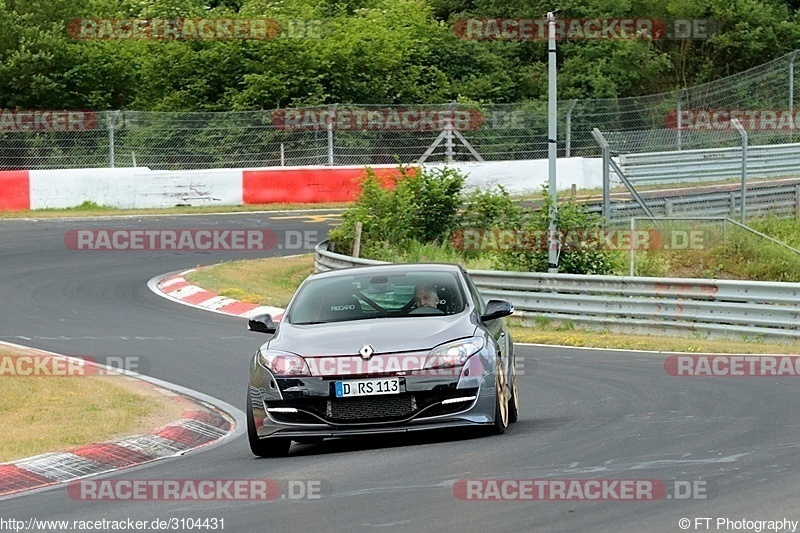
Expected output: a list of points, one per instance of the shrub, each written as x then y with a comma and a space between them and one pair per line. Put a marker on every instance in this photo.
584, 257
421, 208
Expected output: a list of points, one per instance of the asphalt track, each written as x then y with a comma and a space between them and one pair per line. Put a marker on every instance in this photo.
585, 413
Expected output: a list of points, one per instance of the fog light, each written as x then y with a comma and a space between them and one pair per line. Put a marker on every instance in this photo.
458, 400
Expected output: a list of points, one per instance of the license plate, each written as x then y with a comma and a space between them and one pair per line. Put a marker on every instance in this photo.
366, 387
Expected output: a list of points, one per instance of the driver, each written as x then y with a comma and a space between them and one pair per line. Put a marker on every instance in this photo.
426, 296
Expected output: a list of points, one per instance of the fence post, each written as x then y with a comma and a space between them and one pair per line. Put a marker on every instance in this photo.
330, 134
448, 140
448, 136
606, 151
112, 120
569, 127
743, 133
679, 116
633, 246
797, 201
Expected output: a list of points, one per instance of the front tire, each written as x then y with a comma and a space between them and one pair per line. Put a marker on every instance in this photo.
513, 404
501, 410
274, 447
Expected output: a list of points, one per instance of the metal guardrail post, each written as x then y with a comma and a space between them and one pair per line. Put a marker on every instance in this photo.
633, 246
606, 151
743, 133
797, 201
568, 140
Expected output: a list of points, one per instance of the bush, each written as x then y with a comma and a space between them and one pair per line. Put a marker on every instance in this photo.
585, 256
415, 217
420, 207
490, 209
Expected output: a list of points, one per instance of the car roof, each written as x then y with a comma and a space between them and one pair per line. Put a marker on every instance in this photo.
391, 268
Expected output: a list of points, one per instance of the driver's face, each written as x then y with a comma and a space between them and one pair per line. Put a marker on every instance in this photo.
426, 299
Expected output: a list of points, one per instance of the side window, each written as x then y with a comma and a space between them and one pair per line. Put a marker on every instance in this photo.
476, 296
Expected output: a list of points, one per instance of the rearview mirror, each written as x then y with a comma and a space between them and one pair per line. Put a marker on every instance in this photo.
262, 324
497, 309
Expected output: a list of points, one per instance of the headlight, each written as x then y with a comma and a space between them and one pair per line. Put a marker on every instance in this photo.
283, 364
454, 353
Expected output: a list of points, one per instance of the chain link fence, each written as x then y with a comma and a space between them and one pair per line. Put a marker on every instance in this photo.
698, 117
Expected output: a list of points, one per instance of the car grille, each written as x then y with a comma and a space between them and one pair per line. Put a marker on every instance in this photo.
371, 408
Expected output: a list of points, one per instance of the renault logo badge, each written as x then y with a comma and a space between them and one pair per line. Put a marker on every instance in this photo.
366, 351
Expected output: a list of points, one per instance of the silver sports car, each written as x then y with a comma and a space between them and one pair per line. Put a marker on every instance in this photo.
379, 349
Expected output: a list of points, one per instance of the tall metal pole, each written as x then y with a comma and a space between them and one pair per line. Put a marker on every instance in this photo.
791, 95
552, 132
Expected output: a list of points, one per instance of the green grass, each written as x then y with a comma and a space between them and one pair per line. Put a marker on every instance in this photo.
263, 281
739, 254
40, 414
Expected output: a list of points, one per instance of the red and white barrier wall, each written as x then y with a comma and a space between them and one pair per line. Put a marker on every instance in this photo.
141, 187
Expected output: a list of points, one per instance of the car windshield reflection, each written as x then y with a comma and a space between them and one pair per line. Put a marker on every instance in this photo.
360, 297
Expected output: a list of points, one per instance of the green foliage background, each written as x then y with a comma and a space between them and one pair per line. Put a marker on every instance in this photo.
365, 51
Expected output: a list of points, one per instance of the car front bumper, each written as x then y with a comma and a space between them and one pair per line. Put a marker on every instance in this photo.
307, 406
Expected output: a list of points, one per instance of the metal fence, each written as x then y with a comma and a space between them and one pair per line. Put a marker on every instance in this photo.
710, 164
720, 181
779, 198
378, 134
639, 304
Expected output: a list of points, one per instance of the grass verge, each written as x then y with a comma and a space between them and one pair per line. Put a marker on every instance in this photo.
40, 414
91, 209
264, 281
272, 281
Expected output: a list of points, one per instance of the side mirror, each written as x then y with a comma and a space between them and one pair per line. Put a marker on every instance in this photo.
262, 324
497, 309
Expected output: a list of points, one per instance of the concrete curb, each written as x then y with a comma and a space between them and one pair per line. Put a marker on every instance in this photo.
201, 424
175, 287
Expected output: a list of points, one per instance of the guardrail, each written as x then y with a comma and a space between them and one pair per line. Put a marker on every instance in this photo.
711, 164
639, 304
775, 197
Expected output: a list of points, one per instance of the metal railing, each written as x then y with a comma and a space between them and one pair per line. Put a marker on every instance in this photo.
712, 164
779, 198
638, 304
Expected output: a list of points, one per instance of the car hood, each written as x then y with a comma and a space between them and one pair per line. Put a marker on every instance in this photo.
383, 334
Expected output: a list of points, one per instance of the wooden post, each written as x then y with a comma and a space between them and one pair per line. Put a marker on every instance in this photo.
357, 240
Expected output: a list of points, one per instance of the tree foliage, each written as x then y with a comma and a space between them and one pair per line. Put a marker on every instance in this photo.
365, 51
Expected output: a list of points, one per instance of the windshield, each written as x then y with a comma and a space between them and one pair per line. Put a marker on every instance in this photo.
359, 297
